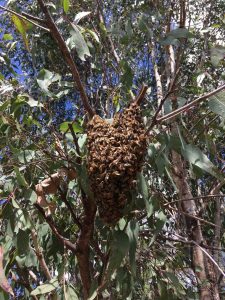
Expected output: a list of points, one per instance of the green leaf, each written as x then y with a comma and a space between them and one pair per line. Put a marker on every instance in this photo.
78, 42
70, 293
196, 157
83, 179
66, 5
20, 178
76, 127
30, 195
46, 288
4, 284
7, 37
26, 156
217, 53
22, 220
34, 103
45, 78
22, 26
132, 232
22, 242
119, 248
143, 189
180, 33
142, 185
80, 16
217, 103
127, 76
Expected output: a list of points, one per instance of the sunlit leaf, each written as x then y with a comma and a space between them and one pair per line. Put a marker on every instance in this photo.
22, 26
46, 288
70, 293
20, 178
45, 78
7, 37
81, 15
66, 5
76, 127
78, 42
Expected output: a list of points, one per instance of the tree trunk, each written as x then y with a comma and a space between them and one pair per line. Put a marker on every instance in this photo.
193, 228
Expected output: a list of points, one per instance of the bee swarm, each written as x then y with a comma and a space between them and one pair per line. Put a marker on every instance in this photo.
115, 155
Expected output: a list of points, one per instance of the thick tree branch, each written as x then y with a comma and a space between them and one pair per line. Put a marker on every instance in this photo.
83, 248
141, 94
67, 56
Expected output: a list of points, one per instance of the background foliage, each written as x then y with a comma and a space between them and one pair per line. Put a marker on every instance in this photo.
170, 242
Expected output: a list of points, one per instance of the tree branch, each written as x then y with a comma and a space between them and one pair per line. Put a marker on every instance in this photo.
83, 248
141, 94
67, 56
40, 255
27, 17
189, 105
50, 222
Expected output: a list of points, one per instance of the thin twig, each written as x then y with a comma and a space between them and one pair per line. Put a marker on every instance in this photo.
194, 217
67, 56
24, 18
40, 255
194, 198
190, 105
67, 203
34, 18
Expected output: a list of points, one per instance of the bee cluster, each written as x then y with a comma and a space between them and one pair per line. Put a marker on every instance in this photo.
115, 154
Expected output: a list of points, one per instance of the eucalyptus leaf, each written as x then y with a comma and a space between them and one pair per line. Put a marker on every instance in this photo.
217, 103
196, 157
78, 42
66, 5
46, 288
80, 16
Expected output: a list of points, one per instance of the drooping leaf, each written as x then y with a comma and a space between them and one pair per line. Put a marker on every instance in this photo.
45, 78
196, 157
22, 26
70, 293
119, 248
46, 288
132, 232
4, 284
217, 103
217, 53
127, 76
66, 5
81, 15
143, 189
22, 242
78, 42
20, 178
